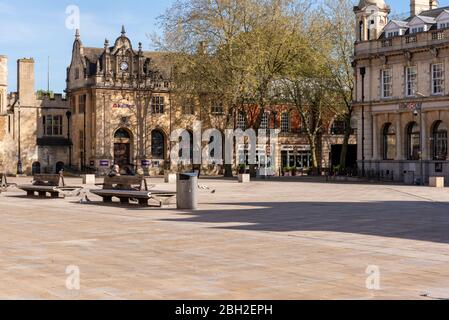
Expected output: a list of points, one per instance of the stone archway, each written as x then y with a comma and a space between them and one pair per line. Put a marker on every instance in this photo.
59, 166
123, 139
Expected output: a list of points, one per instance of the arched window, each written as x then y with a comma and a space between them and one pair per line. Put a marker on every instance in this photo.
36, 168
361, 31
157, 145
440, 141
389, 142
122, 134
413, 141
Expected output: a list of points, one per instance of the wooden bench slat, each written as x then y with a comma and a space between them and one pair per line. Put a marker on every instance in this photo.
38, 188
122, 193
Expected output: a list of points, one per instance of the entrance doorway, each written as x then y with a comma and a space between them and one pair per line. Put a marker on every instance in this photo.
59, 167
36, 168
122, 147
351, 156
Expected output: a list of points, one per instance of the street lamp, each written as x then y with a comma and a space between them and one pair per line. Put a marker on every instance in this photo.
418, 111
19, 157
363, 73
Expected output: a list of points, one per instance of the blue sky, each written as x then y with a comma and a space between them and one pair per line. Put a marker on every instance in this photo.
30, 28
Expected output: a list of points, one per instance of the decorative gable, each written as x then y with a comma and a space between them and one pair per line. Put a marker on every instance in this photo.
395, 28
443, 20
420, 24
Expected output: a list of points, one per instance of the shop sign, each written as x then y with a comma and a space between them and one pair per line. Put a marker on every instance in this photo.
122, 106
297, 148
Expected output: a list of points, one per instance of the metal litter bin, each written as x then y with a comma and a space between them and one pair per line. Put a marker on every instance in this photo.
409, 177
187, 191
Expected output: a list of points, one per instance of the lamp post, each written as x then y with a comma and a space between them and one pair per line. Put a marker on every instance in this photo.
19, 157
69, 115
363, 73
418, 111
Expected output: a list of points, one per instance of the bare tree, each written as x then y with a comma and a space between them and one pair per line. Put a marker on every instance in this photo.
340, 30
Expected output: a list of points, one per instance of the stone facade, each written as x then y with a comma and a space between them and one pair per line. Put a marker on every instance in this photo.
34, 127
3, 83
401, 95
124, 111
120, 109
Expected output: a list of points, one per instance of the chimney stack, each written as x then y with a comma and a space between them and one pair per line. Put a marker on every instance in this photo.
25, 82
418, 6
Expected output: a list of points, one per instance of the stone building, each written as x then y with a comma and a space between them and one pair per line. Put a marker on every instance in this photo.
123, 112
32, 127
402, 90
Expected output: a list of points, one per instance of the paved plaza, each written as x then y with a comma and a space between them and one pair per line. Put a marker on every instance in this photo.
292, 239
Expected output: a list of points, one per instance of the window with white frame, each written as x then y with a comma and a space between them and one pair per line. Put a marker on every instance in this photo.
418, 29
285, 122
157, 105
241, 120
264, 122
386, 85
411, 76
443, 25
437, 78
217, 108
392, 34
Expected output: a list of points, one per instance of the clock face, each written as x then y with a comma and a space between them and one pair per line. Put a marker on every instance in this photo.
124, 66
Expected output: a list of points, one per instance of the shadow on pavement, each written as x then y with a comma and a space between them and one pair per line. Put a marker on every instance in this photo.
419, 220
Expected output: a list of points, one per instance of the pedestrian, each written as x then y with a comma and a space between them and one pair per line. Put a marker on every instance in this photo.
115, 171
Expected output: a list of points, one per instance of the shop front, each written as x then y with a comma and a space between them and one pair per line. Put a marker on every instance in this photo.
296, 156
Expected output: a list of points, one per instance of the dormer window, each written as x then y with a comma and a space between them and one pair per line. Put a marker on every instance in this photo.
421, 24
443, 20
418, 29
393, 34
395, 28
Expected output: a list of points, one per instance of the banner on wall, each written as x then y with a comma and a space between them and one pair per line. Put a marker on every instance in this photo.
145, 163
104, 163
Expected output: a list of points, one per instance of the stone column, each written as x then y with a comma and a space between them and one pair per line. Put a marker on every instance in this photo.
399, 138
426, 152
365, 29
375, 138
